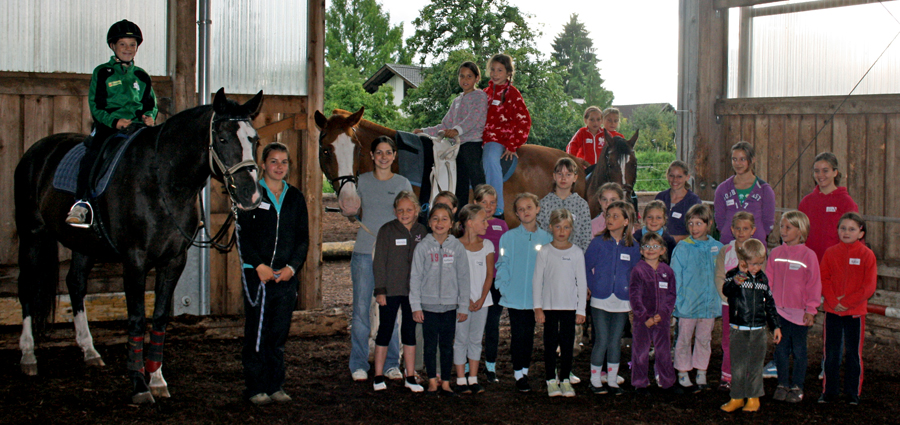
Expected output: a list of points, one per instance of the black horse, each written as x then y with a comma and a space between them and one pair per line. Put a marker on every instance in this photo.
149, 213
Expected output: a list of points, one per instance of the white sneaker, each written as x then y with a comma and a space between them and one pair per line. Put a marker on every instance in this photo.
566, 388
413, 386
280, 396
574, 380
359, 375
261, 399
379, 384
553, 388
393, 374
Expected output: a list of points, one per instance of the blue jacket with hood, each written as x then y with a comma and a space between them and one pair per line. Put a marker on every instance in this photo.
515, 266
694, 263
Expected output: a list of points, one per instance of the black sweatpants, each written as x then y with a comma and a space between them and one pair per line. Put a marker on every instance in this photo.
559, 331
264, 367
492, 328
521, 344
469, 170
852, 331
387, 315
438, 331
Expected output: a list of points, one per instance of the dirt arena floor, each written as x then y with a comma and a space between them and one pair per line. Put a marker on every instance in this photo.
205, 381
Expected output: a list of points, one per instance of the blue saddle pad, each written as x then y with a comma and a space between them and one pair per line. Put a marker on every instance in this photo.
66, 177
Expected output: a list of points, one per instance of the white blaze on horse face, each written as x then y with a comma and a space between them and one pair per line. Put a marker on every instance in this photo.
623, 161
83, 336
246, 133
344, 150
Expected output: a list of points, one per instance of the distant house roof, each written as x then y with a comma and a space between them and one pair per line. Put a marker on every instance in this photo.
411, 75
626, 111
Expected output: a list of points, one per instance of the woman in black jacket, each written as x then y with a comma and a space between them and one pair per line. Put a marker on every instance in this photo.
272, 240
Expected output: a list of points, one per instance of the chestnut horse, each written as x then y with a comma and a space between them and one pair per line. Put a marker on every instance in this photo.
345, 140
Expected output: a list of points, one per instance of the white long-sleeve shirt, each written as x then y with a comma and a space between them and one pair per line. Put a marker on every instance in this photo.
559, 281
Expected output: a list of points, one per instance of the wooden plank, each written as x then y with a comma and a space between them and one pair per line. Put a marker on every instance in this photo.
856, 159
777, 136
218, 272
808, 129
788, 173
891, 189
67, 114
761, 144
10, 151
839, 146
861, 104
876, 180
60, 84
39, 122
99, 307
824, 141
234, 292
183, 50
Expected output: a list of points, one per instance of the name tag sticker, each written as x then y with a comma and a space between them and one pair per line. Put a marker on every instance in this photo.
729, 202
496, 227
400, 242
480, 263
264, 205
495, 102
794, 266
676, 214
588, 140
854, 261
448, 260
714, 249
663, 285
830, 209
624, 257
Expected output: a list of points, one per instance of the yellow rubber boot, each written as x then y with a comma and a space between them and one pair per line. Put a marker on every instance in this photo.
734, 404
752, 405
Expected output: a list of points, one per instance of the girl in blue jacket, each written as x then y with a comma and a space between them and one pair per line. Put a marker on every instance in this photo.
608, 262
515, 269
697, 302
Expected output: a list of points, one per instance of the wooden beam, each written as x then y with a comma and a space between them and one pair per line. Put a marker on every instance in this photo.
726, 4
183, 53
808, 6
857, 104
38, 84
100, 307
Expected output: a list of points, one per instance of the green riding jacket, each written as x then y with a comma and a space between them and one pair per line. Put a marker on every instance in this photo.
120, 92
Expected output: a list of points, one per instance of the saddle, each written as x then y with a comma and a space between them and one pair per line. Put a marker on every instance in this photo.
66, 177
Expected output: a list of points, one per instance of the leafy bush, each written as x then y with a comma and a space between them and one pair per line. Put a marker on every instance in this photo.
651, 173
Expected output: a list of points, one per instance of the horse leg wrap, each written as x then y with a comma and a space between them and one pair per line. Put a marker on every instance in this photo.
136, 354
155, 350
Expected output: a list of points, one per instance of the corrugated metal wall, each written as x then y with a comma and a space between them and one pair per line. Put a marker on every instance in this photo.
70, 35
818, 52
259, 45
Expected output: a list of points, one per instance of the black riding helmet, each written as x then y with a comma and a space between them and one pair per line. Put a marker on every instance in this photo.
122, 29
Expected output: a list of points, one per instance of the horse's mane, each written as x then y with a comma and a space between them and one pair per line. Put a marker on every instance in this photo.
619, 146
364, 123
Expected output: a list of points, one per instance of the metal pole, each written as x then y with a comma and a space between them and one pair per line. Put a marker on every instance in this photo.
203, 92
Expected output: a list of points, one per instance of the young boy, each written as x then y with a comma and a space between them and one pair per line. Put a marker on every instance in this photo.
120, 95
751, 307
515, 270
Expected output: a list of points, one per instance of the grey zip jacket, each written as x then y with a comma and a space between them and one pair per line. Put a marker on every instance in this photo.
439, 279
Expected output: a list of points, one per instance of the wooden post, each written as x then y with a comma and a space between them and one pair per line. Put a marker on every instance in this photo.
311, 178
182, 61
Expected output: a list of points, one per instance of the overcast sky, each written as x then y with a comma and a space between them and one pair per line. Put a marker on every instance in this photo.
636, 40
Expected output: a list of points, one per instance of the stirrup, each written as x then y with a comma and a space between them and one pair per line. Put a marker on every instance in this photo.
87, 223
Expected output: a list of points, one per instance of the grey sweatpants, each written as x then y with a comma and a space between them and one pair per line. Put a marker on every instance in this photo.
467, 344
748, 353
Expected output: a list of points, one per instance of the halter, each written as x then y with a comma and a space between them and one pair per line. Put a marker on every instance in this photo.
338, 182
215, 163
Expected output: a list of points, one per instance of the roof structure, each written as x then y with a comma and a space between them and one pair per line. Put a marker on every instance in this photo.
411, 75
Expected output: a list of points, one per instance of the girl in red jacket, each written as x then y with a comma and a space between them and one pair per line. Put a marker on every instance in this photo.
588, 142
508, 123
825, 204
848, 280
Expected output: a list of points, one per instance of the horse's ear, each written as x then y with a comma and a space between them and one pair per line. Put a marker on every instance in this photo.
321, 121
220, 103
633, 139
254, 105
352, 120
607, 137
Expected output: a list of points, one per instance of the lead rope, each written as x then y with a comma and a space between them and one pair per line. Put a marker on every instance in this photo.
260, 293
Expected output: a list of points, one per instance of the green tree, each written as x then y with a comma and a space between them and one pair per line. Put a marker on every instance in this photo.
484, 27
574, 50
351, 96
657, 125
359, 35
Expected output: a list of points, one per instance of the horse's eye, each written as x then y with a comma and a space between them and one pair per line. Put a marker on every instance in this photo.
222, 140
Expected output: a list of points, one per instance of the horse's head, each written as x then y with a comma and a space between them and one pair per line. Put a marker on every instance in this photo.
232, 148
620, 162
340, 153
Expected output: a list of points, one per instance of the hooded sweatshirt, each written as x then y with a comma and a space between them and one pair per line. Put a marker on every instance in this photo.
439, 279
760, 202
515, 267
694, 266
824, 212
849, 277
793, 273
508, 121
652, 291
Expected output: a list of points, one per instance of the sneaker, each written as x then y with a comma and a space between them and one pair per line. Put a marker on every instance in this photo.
462, 389
770, 371
725, 386
601, 390
685, 381
78, 216
822, 375
261, 399
280, 396
476, 388
780, 393
393, 374
491, 377
413, 384
567, 390
522, 385
616, 391
828, 398
447, 393
359, 375
379, 383
553, 388
853, 400
574, 380
795, 395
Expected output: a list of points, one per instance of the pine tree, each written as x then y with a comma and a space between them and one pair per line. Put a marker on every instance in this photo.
574, 50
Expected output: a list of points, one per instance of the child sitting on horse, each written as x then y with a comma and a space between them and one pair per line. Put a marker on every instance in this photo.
120, 95
465, 121
508, 123
611, 122
588, 141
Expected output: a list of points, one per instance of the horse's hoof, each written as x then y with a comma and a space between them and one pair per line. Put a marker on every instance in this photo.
95, 362
161, 392
29, 369
141, 398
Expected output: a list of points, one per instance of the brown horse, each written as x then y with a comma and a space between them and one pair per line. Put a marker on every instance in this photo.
345, 140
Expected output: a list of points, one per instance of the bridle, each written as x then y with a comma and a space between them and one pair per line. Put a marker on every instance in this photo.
628, 188
338, 182
215, 163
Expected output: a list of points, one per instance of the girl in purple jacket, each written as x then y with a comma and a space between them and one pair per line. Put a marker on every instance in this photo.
744, 192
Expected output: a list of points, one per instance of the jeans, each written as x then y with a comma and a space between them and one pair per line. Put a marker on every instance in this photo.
467, 342
493, 173
438, 330
559, 331
726, 345
608, 329
469, 170
360, 327
793, 341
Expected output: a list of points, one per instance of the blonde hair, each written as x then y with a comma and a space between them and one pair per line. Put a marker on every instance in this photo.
590, 109
658, 205
613, 186
630, 214
560, 215
526, 195
483, 190
409, 196
743, 216
609, 111
468, 212
800, 221
751, 249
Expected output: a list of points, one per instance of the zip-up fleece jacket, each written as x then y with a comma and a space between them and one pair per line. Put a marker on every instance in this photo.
760, 202
849, 276
609, 265
793, 273
824, 212
559, 282
508, 121
440, 276
394, 248
694, 266
276, 235
120, 92
466, 115
588, 146
652, 291
515, 266
750, 301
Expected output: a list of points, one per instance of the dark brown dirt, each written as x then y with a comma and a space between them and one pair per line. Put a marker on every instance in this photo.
205, 379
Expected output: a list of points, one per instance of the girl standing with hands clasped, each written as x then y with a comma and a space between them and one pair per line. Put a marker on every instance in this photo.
678, 199
744, 192
508, 123
849, 274
486, 196
439, 292
480, 254
560, 292
465, 120
394, 247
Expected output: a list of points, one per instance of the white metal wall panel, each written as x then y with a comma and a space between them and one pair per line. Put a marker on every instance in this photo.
259, 45
70, 35
821, 52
